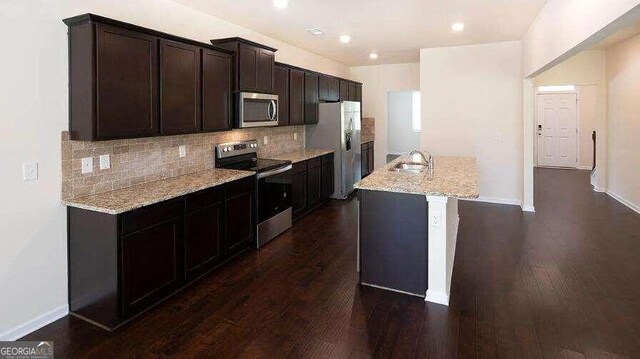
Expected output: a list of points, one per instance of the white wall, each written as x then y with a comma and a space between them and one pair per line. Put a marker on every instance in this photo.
562, 25
378, 80
471, 106
401, 138
623, 76
33, 108
586, 70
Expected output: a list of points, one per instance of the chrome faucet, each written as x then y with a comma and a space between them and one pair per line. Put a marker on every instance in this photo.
429, 161
424, 159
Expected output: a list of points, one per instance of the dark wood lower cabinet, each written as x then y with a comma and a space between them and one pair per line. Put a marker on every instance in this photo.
152, 265
366, 159
121, 265
312, 182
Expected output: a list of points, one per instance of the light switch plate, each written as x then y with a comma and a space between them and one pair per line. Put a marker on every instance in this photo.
295, 136
30, 171
87, 165
105, 162
265, 140
182, 151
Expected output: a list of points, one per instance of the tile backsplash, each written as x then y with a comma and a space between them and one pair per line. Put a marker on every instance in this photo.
368, 129
141, 160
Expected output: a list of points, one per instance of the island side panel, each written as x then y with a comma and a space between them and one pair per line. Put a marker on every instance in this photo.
393, 241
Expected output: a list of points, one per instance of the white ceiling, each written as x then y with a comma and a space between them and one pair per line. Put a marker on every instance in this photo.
395, 29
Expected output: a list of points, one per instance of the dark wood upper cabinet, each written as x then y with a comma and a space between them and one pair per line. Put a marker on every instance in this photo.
126, 68
296, 97
358, 96
281, 82
217, 82
310, 98
344, 90
352, 91
254, 64
265, 70
328, 88
128, 81
180, 90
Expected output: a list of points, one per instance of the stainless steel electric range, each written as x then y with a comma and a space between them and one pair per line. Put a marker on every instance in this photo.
273, 187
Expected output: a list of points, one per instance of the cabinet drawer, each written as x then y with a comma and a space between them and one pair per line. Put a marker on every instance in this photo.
240, 186
314, 162
327, 158
299, 167
204, 198
148, 216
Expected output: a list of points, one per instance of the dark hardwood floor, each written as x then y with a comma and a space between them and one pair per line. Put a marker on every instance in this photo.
561, 283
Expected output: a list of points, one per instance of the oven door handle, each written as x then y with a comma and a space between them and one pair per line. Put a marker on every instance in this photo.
274, 172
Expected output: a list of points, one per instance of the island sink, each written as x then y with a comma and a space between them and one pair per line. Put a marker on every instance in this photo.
414, 167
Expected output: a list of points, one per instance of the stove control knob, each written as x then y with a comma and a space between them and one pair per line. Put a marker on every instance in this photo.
224, 149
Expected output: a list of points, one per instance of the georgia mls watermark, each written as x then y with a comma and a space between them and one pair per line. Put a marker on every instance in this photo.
26, 350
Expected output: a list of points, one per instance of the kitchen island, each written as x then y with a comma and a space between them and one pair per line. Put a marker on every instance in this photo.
408, 225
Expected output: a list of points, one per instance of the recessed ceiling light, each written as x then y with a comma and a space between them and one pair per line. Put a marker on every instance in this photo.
345, 39
280, 4
373, 56
457, 26
315, 31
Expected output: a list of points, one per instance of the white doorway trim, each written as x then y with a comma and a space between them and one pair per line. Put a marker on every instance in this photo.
537, 92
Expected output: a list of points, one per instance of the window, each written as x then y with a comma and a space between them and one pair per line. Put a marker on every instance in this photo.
416, 121
565, 88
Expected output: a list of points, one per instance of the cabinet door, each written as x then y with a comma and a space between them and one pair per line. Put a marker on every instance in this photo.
323, 87
327, 180
282, 90
358, 96
352, 91
179, 88
370, 158
310, 98
239, 222
127, 83
299, 194
203, 239
314, 187
265, 70
363, 161
247, 67
344, 91
152, 265
296, 97
216, 90
334, 89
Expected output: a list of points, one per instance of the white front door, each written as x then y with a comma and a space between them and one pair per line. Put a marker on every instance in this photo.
557, 125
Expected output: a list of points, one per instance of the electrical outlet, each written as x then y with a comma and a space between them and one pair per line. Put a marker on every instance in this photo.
436, 220
295, 136
105, 162
182, 151
265, 140
30, 171
87, 165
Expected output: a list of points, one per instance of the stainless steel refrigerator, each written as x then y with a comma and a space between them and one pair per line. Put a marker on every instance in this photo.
338, 128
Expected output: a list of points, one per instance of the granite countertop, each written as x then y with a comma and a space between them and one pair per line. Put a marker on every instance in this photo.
453, 177
130, 198
300, 155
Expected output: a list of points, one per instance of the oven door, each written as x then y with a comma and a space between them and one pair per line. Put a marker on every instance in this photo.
274, 192
257, 110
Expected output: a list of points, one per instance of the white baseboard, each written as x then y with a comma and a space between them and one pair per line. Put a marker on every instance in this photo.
624, 201
588, 168
599, 189
528, 208
35, 323
437, 297
509, 201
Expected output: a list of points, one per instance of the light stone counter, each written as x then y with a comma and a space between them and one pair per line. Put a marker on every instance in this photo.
130, 198
453, 177
300, 155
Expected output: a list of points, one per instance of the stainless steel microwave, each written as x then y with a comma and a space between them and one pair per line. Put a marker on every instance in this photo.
257, 110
